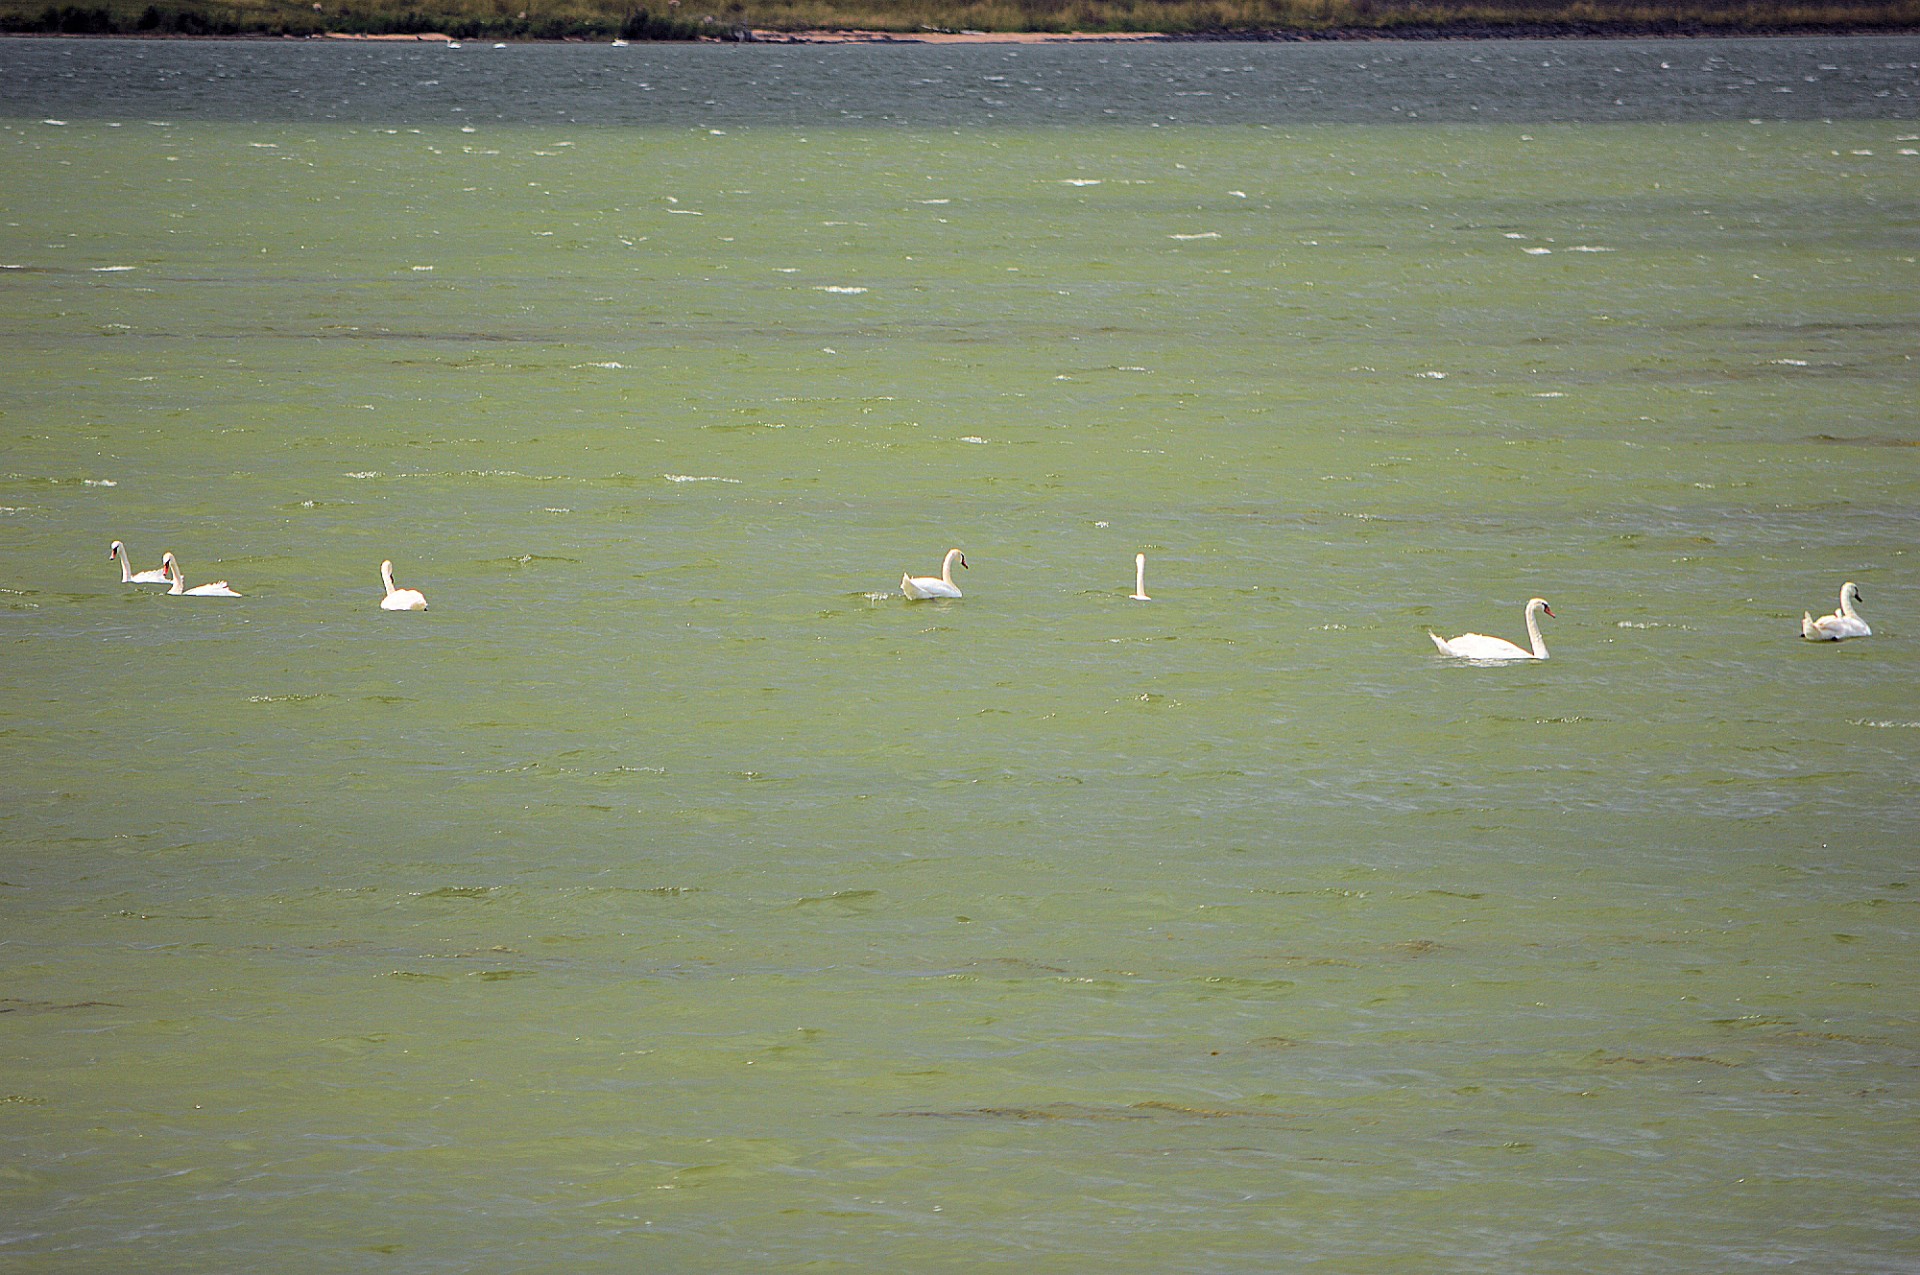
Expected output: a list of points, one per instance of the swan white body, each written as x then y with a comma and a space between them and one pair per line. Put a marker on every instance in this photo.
1140, 578
399, 599
1844, 623
218, 589
129, 576
940, 586
1478, 646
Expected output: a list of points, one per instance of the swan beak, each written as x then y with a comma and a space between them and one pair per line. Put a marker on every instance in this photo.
963, 561
1549, 611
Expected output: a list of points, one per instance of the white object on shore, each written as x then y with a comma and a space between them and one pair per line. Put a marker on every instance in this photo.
1478, 646
1844, 623
920, 588
1140, 578
129, 576
218, 589
399, 599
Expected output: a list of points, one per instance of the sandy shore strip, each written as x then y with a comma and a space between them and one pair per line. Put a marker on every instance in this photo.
951, 37
841, 37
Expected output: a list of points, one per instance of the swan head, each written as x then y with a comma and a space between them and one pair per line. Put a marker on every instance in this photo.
168, 565
1851, 590
115, 550
954, 555
1541, 603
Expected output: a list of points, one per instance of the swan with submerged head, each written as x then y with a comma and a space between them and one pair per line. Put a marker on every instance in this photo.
129, 576
941, 586
1478, 646
1844, 623
218, 589
1140, 578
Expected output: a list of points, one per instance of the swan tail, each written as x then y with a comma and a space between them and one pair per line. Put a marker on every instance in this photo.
1808, 629
1439, 642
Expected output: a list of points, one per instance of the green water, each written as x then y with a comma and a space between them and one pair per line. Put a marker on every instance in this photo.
672, 895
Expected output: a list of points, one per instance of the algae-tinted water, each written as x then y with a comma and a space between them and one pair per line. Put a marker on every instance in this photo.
672, 895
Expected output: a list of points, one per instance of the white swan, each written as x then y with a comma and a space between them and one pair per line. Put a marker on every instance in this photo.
129, 576
1844, 623
218, 589
940, 586
1478, 646
1140, 578
399, 599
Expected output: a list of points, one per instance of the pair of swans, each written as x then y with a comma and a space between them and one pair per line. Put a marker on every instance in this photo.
920, 588
168, 572
1844, 623
1841, 624
397, 599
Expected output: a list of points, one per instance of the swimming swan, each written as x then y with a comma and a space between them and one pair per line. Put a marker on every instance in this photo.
1140, 578
940, 586
129, 576
218, 589
1844, 623
399, 599
1478, 646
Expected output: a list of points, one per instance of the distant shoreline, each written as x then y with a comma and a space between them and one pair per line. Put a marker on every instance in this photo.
1462, 31
1405, 34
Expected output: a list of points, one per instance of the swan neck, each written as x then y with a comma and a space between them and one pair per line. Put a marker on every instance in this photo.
386, 577
126, 567
946, 568
1140, 573
1846, 604
1533, 632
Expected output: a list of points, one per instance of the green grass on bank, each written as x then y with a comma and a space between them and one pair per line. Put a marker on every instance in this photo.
730, 19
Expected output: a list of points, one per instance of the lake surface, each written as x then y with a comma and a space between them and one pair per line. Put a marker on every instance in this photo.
672, 895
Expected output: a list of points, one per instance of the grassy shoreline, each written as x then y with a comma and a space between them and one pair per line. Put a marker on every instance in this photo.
879, 20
